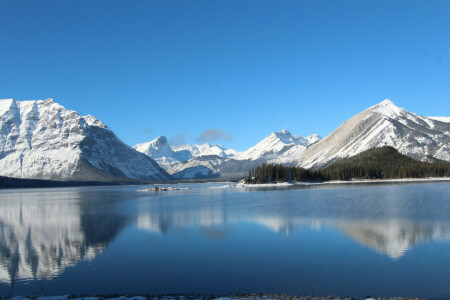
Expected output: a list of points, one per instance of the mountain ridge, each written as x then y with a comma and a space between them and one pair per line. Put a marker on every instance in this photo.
41, 139
383, 124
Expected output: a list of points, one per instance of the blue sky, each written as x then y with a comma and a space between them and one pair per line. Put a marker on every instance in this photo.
247, 68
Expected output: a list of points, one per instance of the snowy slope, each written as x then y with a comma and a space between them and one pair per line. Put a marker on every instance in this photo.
382, 125
278, 147
442, 119
167, 156
276, 144
41, 139
160, 150
190, 151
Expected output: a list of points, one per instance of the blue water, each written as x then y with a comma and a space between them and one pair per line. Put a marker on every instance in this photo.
348, 240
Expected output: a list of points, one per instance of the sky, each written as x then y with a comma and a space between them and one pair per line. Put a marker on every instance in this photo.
226, 72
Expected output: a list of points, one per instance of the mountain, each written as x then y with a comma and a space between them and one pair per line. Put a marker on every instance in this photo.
166, 156
278, 147
384, 162
160, 150
43, 140
276, 144
185, 152
384, 124
375, 163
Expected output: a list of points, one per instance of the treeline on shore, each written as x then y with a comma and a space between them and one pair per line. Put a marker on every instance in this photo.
377, 163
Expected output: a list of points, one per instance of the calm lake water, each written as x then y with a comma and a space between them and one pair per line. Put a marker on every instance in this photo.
349, 240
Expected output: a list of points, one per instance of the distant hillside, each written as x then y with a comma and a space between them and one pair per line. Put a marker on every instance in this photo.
384, 162
377, 163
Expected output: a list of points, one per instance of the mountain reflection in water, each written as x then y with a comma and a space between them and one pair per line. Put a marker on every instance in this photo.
392, 237
43, 232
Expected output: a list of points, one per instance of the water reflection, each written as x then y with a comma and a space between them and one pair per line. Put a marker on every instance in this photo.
43, 232
394, 237
387, 220
390, 237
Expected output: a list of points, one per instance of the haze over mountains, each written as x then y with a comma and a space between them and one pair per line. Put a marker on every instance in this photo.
42, 139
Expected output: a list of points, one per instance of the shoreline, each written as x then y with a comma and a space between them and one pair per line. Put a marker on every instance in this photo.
358, 181
180, 296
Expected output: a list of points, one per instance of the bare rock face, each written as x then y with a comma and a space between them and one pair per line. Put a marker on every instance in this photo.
43, 140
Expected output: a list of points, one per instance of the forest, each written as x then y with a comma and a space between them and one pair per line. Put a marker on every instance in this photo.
377, 163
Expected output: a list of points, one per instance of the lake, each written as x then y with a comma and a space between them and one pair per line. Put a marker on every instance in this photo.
349, 240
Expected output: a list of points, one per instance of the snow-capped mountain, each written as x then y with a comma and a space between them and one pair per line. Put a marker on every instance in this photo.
42, 139
276, 144
198, 167
160, 150
159, 147
185, 152
384, 124
381, 125
278, 147
167, 156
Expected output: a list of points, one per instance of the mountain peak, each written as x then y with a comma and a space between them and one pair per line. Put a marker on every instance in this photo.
386, 102
283, 134
313, 138
160, 139
388, 108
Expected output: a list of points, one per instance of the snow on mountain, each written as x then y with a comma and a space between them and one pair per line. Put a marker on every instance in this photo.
442, 119
160, 150
384, 124
276, 144
157, 148
167, 156
43, 140
202, 150
198, 167
278, 147
313, 138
